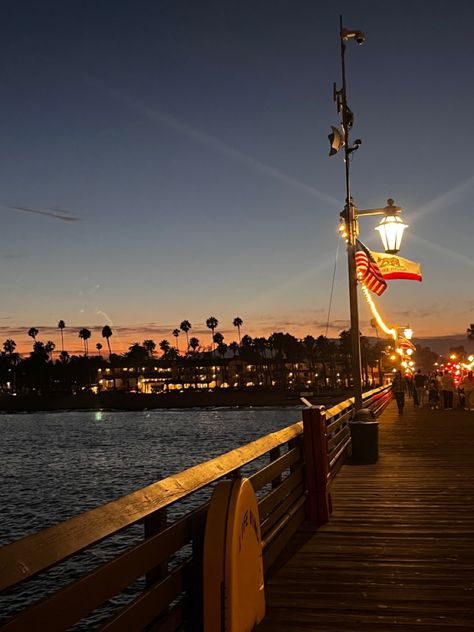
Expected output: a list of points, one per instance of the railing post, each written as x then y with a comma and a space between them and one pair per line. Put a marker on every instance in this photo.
153, 523
274, 455
317, 465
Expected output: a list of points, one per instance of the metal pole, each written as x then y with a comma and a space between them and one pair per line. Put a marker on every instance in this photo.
352, 229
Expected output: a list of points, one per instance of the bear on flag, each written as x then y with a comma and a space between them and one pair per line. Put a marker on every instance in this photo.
395, 267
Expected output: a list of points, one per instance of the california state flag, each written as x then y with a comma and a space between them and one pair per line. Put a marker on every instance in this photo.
394, 267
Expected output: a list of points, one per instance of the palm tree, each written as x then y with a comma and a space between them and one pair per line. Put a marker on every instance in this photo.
218, 338
175, 333
470, 333
150, 346
238, 322
99, 348
165, 347
234, 347
61, 326
194, 343
211, 323
186, 326
85, 334
33, 332
106, 333
49, 347
9, 346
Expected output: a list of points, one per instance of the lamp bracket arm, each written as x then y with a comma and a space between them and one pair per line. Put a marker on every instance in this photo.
370, 211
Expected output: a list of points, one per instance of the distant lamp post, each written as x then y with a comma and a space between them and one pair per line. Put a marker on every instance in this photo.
390, 228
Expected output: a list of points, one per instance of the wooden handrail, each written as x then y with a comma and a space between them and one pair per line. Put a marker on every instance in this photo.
29, 556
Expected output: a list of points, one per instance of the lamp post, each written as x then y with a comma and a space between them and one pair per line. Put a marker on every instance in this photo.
391, 226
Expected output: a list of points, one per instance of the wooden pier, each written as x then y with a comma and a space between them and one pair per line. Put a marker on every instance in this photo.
396, 554
398, 551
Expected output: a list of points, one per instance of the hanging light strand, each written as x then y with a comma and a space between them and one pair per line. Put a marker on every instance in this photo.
378, 318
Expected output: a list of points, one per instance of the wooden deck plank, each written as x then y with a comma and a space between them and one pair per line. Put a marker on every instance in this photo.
398, 552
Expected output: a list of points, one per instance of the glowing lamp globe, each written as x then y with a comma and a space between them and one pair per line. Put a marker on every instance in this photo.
391, 229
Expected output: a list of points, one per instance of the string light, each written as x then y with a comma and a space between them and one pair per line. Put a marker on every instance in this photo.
390, 331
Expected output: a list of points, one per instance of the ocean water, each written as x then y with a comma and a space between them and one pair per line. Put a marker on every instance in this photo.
56, 465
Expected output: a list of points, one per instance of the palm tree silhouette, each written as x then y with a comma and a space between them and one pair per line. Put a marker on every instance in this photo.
186, 326
211, 323
49, 347
61, 326
470, 332
85, 334
9, 346
106, 333
218, 338
165, 347
33, 332
150, 346
176, 335
99, 348
238, 322
194, 343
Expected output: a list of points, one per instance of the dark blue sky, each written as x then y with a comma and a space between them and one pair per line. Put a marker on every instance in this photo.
189, 140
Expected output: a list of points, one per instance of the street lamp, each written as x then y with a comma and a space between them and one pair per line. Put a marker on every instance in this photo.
391, 226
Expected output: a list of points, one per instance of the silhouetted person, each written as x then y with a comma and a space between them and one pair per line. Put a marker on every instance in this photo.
420, 382
398, 388
447, 390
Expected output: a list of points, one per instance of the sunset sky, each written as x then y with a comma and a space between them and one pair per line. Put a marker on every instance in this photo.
168, 160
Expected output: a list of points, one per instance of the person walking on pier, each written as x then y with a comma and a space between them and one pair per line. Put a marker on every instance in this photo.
398, 388
447, 386
433, 393
467, 385
420, 384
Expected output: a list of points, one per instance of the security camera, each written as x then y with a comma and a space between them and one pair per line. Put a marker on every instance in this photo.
357, 35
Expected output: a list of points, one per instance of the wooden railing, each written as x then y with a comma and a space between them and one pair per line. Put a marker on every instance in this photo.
156, 583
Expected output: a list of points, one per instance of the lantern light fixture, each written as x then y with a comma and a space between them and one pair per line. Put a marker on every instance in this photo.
391, 228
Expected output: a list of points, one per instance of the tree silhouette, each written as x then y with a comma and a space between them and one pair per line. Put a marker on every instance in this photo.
165, 347
218, 338
106, 333
247, 341
99, 348
211, 323
186, 326
194, 343
137, 355
234, 346
175, 333
470, 333
85, 334
9, 346
238, 322
33, 332
49, 347
150, 346
61, 326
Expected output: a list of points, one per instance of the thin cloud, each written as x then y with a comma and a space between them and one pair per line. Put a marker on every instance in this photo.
155, 114
55, 213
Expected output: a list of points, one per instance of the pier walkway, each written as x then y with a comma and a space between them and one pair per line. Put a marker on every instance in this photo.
398, 551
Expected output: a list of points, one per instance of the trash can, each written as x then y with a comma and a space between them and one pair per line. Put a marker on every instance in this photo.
365, 437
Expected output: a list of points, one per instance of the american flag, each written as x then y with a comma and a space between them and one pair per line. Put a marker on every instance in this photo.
368, 271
